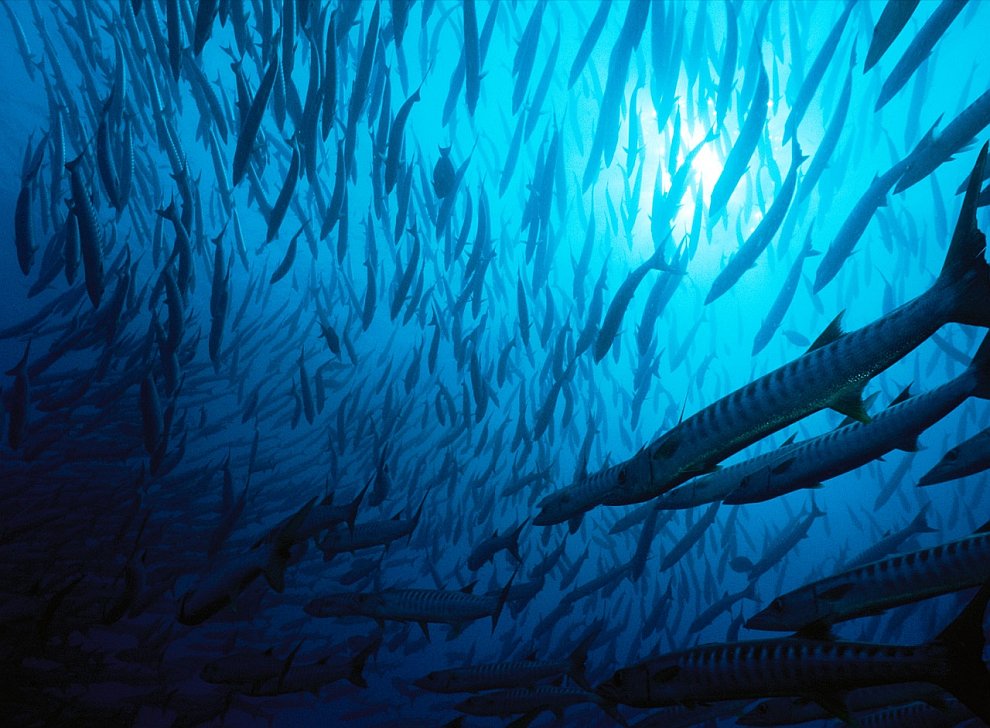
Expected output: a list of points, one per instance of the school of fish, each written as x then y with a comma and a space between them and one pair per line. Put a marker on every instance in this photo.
467, 363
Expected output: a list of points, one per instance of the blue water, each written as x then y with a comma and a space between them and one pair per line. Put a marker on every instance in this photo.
78, 495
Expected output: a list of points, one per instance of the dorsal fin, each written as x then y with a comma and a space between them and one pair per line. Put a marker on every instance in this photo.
985, 528
469, 589
903, 396
832, 332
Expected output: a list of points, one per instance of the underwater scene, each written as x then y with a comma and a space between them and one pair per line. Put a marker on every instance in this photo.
468, 363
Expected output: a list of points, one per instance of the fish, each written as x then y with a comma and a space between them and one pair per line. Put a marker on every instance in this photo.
893, 19
807, 464
516, 673
251, 123
616, 311
875, 586
967, 458
422, 606
738, 158
784, 667
919, 49
812, 79
757, 242
780, 305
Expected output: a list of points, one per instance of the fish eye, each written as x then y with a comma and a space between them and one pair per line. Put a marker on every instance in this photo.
621, 476
762, 709
952, 454
777, 604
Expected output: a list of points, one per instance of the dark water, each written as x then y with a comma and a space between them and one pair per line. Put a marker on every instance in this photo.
142, 466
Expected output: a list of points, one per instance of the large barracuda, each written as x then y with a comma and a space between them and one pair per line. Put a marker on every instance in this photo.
800, 667
831, 374
806, 464
879, 585
422, 606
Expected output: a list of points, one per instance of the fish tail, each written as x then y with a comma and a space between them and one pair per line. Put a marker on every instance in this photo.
513, 546
579, 657
21, 366
968, 679
980, 367
356, 675
966, 270
503, 599
280, 542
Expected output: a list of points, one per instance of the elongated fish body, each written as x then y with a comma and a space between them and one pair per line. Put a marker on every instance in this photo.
895, 15
799, 667
788, 666
720, 484
783, 300
588, 41
931, 153
880, 585
855, 224
790, 711
920, 48
364, 536
530, 700
775, 550
690, 538
90, 233
496, 676
808, 463
570, 503
738, 160
829, 140
814, 75
831, 374
252, 123
745, 258
617, 308
407, 605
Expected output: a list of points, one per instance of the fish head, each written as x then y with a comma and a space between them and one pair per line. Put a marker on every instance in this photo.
437, 682
788, 612
628, 481
628, 686
338, 605
943, 468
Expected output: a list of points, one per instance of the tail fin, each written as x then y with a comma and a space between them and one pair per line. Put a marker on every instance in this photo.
280, 541
965, 268
968, 678
288, 665
356, 675
980, 366
579, 657
21, 366
513, 546
352, 508
920, 522
503, 598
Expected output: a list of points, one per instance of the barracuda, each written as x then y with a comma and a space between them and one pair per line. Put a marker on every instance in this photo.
422, 606
818, 669
516, 673
831, 374
883, 584
837, 452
